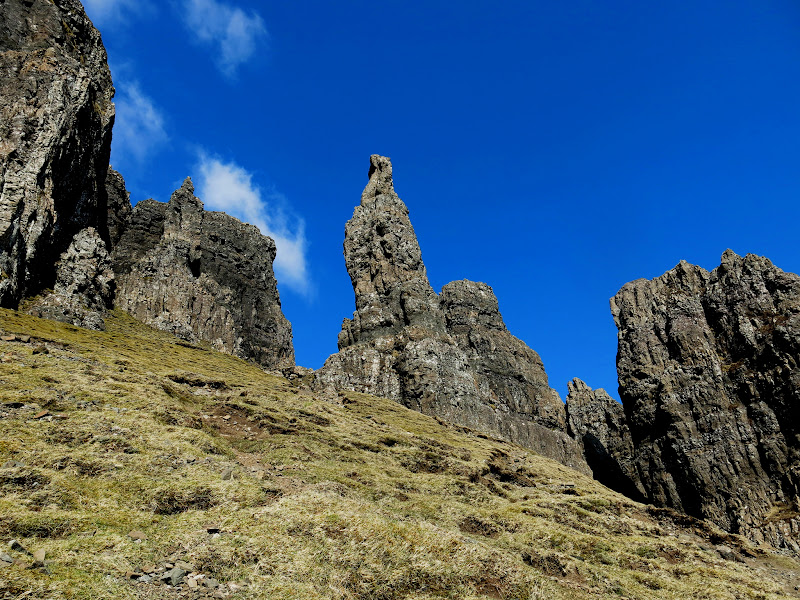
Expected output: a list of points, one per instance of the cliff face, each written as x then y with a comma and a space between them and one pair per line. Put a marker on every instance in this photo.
597, 422
202, 276
449, 356
709, 378
56, 116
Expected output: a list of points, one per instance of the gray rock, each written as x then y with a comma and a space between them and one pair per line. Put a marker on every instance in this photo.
174, 576
597, 422
202, 276
56, 116
84, 286
118, 206
709, 378
210, 583
406, 343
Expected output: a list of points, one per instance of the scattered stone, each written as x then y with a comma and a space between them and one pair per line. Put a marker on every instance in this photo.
16, 546
227, 474
145, 579
38, 558
13, 464
137, 535
40, 349
184, 565
210, 583
40, 414
8, 338
174, 576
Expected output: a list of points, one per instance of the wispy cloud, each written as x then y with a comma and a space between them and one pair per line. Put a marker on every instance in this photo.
234, 33
139, 126
230, 188
107, 12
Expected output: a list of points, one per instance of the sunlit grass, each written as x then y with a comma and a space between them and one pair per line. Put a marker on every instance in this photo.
353, 498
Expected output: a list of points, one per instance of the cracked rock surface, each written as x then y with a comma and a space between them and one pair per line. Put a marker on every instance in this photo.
202, 276
709, 378
56, 116
447, 355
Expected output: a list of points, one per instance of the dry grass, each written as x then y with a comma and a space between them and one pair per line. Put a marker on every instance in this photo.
352, 498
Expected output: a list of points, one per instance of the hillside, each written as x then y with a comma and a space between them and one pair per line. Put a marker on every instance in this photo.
126, 453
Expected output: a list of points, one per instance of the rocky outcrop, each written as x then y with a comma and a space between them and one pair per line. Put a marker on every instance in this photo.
598, 423
202, 276
56, 116
84, 287
118, 208
709, 378
449, 356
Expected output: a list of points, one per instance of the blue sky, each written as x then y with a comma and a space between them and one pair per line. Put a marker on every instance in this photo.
554, 150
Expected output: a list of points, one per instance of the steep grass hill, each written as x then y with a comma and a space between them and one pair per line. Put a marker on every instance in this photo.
138, 466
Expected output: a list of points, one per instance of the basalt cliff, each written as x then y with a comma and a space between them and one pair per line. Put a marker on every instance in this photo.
71, 245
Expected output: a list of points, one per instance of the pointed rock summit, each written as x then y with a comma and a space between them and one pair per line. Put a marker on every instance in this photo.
202, 276
447, 355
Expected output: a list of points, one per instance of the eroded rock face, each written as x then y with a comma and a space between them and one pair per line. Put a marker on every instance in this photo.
119, 208
56, 116
84, 287
598, 423
449, 356
709, 378
202, 276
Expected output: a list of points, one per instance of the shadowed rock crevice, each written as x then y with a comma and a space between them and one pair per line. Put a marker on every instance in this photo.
446, 355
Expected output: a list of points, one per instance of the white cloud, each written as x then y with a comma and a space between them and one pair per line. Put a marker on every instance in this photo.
230, 188
105, 12
235, 33
139, 126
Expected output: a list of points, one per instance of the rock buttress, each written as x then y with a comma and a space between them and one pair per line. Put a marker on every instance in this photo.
56, 116
709, 379
407, 343
202, 276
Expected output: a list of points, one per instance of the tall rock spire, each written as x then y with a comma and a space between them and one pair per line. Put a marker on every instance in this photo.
448, 356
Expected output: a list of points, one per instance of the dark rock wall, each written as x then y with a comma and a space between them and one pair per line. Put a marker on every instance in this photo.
449, 356
709, 378
56, 116
202, 276
598, 423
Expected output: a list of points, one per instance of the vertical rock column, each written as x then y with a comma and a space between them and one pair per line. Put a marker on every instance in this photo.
447, 356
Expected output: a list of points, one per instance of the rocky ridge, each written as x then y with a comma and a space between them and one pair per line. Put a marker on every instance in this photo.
202, 276
708, 372
447, 355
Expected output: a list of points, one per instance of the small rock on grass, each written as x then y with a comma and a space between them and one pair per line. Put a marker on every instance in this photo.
174, 576
38, 558
137, 535
15, 545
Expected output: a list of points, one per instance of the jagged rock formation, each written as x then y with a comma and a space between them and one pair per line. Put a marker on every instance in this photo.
709, 378
84, 287
202, 276
119, 208
56, 116
449, 356
597, 422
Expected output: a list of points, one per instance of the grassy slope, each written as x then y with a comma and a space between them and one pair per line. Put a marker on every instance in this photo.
347, 497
